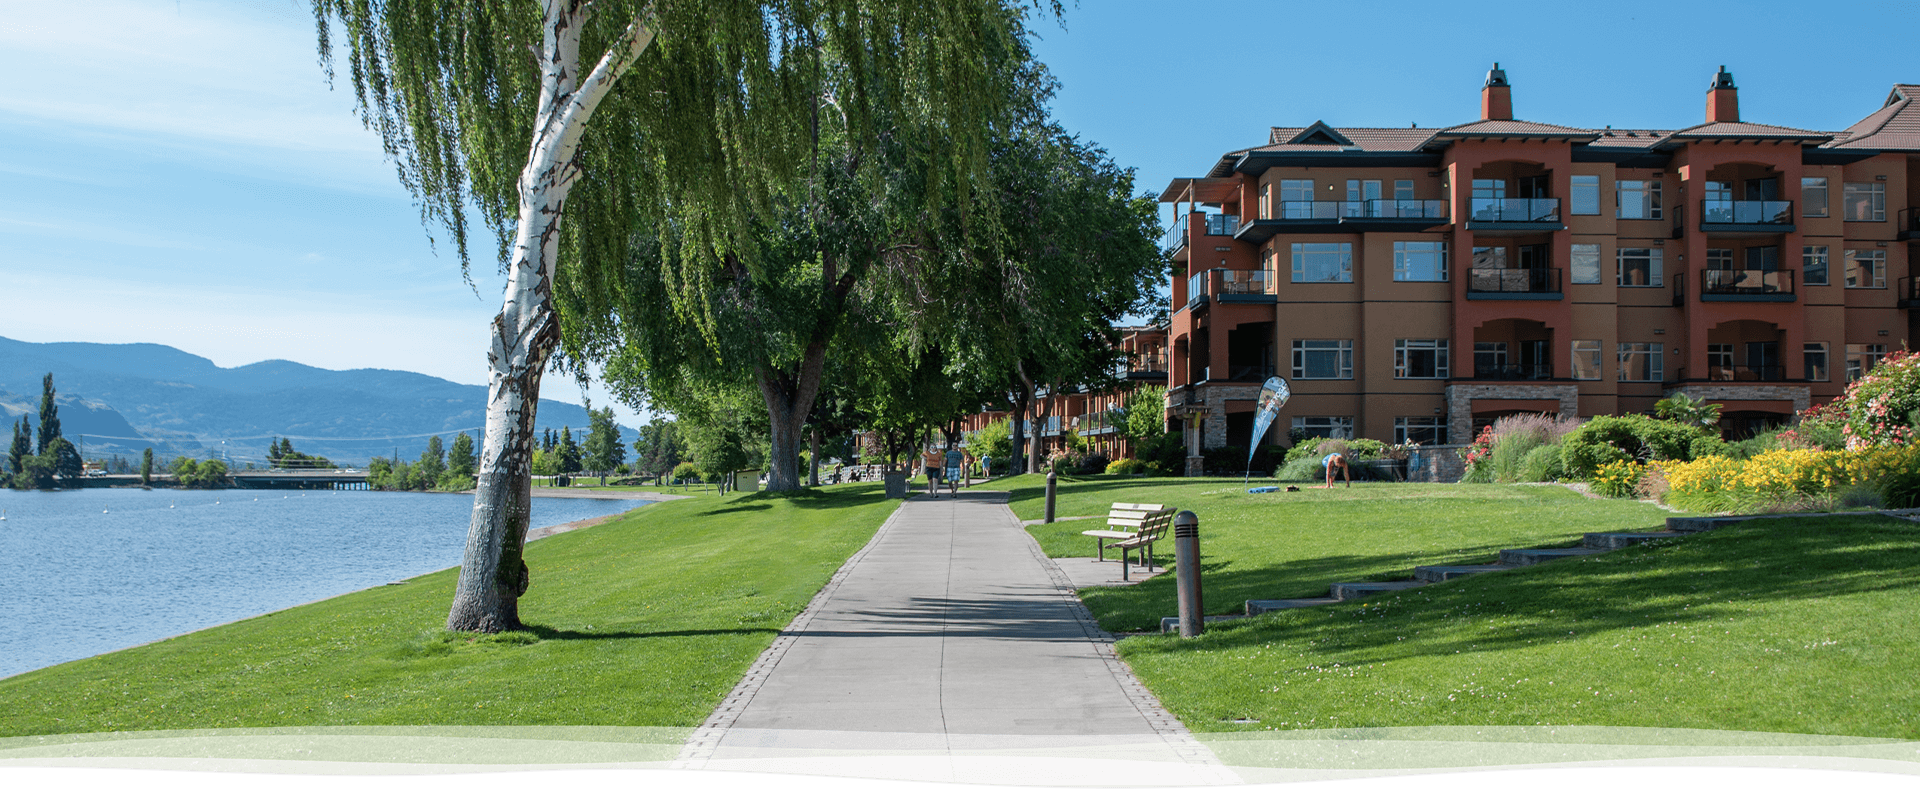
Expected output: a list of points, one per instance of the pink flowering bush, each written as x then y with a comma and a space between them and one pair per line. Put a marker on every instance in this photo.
1881, 409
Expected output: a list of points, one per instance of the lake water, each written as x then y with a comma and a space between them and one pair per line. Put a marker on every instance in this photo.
76, 582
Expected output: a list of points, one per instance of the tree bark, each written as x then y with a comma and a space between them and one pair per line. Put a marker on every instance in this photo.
493, 573
1023, 398
1033, 447
789, 398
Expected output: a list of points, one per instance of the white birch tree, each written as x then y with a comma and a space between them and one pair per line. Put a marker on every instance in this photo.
512, 109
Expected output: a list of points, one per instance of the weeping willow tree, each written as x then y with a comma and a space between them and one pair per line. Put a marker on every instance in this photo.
691, 115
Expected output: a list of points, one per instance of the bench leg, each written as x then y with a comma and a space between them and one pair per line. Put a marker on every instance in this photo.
1100, 547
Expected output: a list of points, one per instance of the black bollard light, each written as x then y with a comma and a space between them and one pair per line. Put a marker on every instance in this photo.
1051, 480
1186, 559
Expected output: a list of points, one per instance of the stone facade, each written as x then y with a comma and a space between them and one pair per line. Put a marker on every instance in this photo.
1800, 396
1204, 409
1460, 397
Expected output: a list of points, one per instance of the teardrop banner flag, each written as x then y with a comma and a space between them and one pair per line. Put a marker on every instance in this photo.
1273, 395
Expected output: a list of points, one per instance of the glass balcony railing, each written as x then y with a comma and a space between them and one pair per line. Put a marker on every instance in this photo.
1512, 372
1177, 236
1746, 281
1512, 209
1746, 212
1746, 372
1197, 287
1222, 224
1361, 209
1228, 281
1540, 280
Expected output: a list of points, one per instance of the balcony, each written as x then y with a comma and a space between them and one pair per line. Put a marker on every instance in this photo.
1746, 216
1909, 223
1495, 283
1222, 224
1906, 289
1346, 216
1514, 214
1746, 286
1230, 286
1746, 372
1513, 372
1141, 366
1176, 238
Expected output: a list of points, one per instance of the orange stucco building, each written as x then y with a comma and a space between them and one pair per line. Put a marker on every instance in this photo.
1415, 283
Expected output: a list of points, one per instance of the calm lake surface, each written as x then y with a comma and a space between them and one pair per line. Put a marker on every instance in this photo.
77, 582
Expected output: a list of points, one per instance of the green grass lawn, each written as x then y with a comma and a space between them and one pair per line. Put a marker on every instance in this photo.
1293, 544
1793, 626
644, 621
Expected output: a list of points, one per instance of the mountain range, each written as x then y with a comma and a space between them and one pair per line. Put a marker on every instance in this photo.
118, 399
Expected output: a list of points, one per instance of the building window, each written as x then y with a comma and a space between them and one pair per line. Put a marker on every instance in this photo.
1420, 261
1864, 202
1324, 427
1420, 430
1420, 358
1586, 195
1813, 197
1640, 266
1861, 359
1584, 266
1764, 258
1813, 265
1266, 201
1489, 188
1815, 354
1640, 361
1866, 269
1720, 362
1403, 190
1323, 359
1296, 191
1586, 359
1322, 262
1637, 199
1719, 258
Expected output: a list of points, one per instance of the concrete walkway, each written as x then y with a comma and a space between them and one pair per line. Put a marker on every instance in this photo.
952, 644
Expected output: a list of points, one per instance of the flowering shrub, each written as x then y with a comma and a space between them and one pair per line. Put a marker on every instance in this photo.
1779, 479
1881, 408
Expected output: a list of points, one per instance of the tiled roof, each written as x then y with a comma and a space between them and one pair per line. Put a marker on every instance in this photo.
1745, 130
1512, 127
1624, 138
1896, 126
1369, 140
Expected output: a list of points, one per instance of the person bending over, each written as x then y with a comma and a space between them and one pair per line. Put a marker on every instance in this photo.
1337, 461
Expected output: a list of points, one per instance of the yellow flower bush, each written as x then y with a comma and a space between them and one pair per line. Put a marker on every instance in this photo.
1618, 478
1787, 477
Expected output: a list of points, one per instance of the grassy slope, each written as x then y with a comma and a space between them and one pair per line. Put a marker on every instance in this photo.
1293, 544
648, 620
1790, 626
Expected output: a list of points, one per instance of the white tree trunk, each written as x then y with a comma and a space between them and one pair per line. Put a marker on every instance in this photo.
493, 573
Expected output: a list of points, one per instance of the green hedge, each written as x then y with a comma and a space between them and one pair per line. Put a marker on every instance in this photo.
1631, 437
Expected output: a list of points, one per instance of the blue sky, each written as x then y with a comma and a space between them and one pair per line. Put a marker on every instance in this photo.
180, 172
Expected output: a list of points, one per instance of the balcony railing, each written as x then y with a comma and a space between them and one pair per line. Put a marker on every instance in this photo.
1540, 280
1746, 372
1513, 372
1746, 212
1909, 223
1757, 282
1906, 289
1177, 235
1362, 209
1228, 281
1136, 363
1512, 209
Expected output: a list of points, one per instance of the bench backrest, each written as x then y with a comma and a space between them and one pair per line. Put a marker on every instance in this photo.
1149, 519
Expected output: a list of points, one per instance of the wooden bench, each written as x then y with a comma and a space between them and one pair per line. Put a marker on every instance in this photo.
1132, 526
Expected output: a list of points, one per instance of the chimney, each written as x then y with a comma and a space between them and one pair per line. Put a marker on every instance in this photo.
1496, 100
1723, 98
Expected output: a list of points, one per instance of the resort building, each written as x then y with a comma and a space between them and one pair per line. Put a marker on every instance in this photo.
1413, 284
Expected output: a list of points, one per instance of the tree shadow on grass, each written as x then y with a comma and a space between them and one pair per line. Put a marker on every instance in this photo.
546, 632
1712, 576
824, 498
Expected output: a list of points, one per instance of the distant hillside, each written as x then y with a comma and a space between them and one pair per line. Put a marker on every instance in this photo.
126, 397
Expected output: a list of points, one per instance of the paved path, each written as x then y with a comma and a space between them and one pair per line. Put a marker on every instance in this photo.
949, 635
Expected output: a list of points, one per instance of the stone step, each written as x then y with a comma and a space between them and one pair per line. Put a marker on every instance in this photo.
1172, 624
1349, 591
1527, 557
1615, 541
1436, 574
1258, 607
